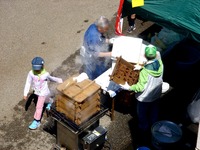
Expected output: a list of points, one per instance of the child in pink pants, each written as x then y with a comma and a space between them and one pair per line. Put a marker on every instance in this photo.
38, 78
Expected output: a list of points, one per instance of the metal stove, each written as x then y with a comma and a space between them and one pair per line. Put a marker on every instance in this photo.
87, 136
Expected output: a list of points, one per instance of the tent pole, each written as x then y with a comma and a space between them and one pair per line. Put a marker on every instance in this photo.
198, 139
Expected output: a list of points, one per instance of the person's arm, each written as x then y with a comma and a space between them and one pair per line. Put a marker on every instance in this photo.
55, 79
27, 85
95, 48
140, 85
104, 54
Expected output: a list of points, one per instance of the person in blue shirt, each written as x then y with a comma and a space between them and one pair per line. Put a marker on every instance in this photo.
95, 50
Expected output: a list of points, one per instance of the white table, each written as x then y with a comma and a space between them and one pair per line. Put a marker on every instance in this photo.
109, 87
106, 85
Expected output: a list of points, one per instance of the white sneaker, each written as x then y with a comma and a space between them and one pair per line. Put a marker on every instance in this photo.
131, 29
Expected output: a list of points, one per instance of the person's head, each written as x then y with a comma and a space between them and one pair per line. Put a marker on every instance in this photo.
150, 52
102, 24
37, 64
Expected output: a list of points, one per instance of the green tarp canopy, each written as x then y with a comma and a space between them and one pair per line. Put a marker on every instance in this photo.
181, 16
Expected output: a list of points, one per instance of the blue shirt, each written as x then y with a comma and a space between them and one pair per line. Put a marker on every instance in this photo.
94, 42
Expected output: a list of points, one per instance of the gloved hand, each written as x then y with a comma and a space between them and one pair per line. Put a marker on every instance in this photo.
112, 40
137, 67
111, 93
125, 86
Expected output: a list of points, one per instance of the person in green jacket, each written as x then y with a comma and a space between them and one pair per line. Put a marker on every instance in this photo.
148, 89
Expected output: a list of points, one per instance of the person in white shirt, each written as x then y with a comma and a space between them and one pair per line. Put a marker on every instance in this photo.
38, 79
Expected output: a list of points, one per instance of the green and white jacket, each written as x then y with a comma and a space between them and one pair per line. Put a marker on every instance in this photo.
149, 85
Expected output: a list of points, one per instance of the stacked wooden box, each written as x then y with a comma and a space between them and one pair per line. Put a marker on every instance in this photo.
78, 101
124, 72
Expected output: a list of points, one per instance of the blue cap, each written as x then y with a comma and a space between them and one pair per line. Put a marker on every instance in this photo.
37, 63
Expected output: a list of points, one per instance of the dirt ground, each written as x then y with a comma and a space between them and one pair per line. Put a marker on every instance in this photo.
14, 132
54, 30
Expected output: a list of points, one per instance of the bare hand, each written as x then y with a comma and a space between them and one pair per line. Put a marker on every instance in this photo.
110, 54
25, 98
105, 54
133, 16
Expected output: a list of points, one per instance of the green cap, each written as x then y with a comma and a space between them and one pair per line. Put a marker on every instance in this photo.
150, 52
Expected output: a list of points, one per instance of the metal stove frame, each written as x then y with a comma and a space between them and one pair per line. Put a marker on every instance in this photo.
68, 134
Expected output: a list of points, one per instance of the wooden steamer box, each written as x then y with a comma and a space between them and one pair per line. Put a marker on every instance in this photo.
124, 72
78, 101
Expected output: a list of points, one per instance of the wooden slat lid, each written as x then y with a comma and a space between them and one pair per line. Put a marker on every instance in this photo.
78, 91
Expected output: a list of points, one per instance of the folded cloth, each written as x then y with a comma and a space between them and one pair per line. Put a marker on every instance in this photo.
81, 77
